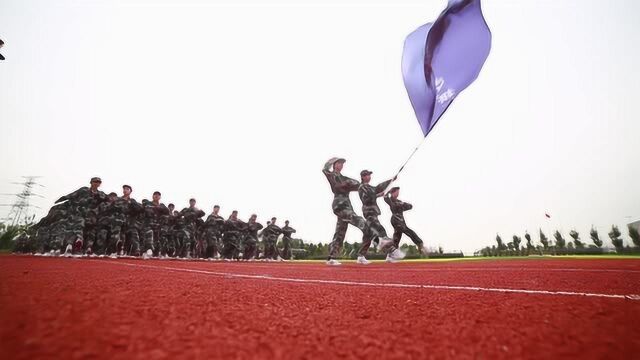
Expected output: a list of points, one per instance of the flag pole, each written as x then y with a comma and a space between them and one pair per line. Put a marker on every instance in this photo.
410, 156
405, 164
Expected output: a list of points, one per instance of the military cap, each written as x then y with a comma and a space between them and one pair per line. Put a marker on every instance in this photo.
395, 188
365, 173
96, 179
113, 194
127, 186
157, 193
334, 160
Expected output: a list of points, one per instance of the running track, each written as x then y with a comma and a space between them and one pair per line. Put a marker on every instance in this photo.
160, 309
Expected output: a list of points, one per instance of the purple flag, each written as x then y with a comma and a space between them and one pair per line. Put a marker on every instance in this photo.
442, 58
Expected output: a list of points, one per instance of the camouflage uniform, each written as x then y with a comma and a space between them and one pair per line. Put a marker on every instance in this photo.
46, 231
57, 234
133, 212
153, 215
119, 229
201, 245
262, 234
231, 238
286, 241
186, 229
251, 240
86, 202
341, 186
107, 229
371, 211
90, 227
74, 231
397, 220
213, 233
272, 232
181, 236
23, 244
167, 235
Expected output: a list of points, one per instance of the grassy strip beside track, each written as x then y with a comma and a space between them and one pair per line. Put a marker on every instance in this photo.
500, 258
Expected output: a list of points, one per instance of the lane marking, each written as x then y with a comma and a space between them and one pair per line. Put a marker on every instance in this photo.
384, 285
425, 269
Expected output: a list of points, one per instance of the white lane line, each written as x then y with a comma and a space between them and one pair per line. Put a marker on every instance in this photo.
428, 268
370, 284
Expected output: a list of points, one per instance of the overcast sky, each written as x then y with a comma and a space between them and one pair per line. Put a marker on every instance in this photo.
240, 103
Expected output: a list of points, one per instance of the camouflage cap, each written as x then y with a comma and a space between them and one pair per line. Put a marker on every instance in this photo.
365, 173
394, 189
127, 186
96, 179
113, 194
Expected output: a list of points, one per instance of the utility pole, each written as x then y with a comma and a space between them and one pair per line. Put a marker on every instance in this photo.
19, 212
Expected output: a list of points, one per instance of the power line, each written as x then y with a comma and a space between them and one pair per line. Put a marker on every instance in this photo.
20, 208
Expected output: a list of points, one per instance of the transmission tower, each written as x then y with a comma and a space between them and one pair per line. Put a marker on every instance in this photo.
19, 211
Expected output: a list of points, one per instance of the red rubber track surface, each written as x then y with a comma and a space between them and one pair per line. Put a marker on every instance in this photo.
98, 308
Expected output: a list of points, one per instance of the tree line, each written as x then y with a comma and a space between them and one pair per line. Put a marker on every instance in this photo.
559, 245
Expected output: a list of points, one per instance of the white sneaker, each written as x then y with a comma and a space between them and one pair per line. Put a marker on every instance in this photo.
397, 255
68, 250
424, 252
384, 242
148, 254
363, 261
279, 258
333, 262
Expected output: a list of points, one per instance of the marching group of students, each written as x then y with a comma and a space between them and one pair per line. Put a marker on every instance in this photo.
88, 221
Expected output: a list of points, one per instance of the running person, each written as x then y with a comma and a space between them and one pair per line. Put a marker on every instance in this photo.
374, 231
397, 220
341, 186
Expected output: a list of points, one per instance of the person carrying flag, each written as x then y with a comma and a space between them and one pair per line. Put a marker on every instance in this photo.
374, 231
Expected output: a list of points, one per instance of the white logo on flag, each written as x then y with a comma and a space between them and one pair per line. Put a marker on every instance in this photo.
445, 96
439, 84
